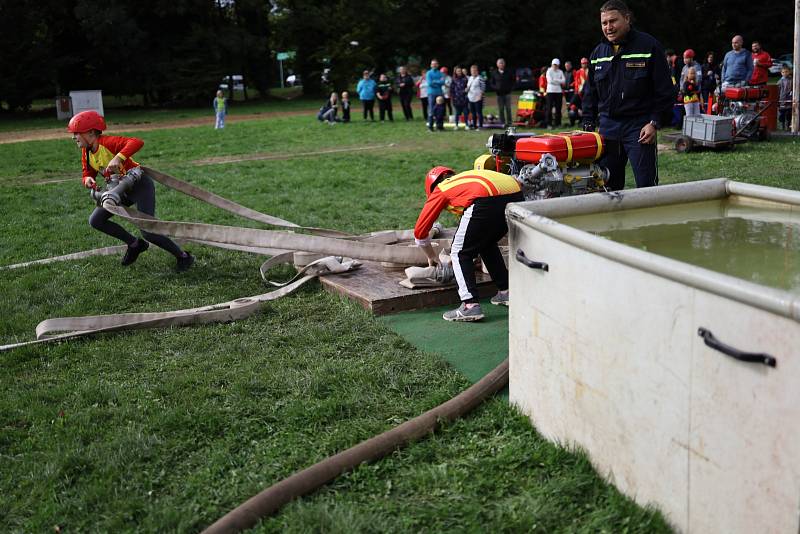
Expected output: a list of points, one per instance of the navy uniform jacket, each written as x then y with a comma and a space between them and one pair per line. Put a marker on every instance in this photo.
632, 83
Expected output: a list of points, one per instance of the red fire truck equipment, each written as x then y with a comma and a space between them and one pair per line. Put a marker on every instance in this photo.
548, 165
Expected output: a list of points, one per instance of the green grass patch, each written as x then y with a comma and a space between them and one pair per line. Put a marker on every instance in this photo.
141, 115
166, 430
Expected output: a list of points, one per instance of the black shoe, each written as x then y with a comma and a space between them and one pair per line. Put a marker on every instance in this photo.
184, 262
134, 249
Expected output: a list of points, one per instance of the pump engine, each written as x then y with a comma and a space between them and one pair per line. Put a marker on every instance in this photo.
549, 165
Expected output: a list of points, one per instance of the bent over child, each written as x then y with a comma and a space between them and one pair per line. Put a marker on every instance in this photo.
479, 197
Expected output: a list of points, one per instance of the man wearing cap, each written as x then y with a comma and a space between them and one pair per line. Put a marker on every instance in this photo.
555, 91
628, 91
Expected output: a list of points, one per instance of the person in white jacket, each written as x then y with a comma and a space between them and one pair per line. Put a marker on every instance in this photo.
476, 87
556, 83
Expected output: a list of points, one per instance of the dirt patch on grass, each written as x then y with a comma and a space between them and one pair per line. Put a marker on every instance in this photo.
59, 133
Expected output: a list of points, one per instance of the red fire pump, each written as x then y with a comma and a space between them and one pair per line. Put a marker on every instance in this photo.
752, 109
549, 165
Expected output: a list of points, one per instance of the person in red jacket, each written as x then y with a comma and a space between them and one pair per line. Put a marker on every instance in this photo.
479, 197
113, 154
542, 82
579, 80
761, 64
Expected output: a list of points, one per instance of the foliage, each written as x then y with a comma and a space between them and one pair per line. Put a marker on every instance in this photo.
170, 52
179, 51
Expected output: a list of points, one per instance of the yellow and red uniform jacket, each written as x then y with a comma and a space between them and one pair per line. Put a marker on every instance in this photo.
108, 147
457, 193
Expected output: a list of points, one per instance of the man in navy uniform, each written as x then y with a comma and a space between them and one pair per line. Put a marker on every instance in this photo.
628, 91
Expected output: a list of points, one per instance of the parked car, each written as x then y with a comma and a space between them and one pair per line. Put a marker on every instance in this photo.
780, 61
523, 79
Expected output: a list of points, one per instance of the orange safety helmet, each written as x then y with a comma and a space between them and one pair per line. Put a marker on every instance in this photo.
434, 176
85, 121
688, 53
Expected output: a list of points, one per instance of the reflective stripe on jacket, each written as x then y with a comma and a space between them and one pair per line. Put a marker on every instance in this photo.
457, 193
631, 82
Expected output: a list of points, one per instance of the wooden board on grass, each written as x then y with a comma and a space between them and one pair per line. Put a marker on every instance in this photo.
377, 289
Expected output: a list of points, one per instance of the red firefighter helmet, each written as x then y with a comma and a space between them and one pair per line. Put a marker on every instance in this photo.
688, 53
443, 70
435, 175
85, 121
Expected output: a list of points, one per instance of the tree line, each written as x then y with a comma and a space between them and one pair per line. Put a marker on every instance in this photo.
178, 51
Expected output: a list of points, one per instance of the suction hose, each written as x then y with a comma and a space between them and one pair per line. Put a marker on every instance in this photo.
303, 482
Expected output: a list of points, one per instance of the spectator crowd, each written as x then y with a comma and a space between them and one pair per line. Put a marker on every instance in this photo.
457, 96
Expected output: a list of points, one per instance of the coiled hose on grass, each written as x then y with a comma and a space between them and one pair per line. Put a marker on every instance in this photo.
308, 480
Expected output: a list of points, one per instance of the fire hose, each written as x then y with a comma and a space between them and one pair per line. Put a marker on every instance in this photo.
303, 482
377, 246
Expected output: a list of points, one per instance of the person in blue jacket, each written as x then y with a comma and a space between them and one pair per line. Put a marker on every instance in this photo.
435, 80
366, 92
628, 91
737, 65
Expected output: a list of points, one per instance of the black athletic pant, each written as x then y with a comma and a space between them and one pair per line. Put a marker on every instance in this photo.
368, 108
424, 101
405, 102
553, 100
143, 195
385, 108
481, 227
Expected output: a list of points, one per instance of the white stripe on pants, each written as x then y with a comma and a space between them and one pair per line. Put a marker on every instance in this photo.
455, 248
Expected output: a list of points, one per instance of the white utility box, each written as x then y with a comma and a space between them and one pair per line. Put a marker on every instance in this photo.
87, 100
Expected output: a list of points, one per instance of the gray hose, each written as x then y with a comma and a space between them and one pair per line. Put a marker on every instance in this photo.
303, 482
116, 187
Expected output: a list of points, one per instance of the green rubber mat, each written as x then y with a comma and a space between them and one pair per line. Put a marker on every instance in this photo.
472, 348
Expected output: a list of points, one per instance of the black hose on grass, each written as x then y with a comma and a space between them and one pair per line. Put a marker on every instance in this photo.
303, 482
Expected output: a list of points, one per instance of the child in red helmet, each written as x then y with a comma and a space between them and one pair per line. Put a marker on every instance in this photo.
689, 63
113, 153
479, 197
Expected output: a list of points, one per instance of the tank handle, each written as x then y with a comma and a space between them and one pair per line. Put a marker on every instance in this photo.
749, 357
523, 259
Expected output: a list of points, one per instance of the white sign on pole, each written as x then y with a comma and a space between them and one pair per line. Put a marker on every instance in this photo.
87, 100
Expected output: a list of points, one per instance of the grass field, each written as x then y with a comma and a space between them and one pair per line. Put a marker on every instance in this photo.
167, 430
136, 114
